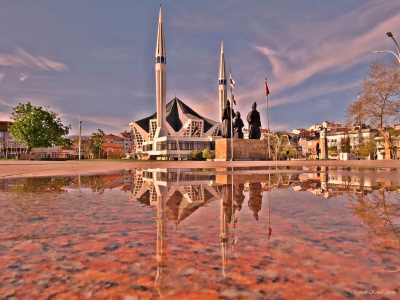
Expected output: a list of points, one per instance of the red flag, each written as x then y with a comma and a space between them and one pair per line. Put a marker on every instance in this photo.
266, 87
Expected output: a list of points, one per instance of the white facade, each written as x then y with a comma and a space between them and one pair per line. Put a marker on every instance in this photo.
356, 137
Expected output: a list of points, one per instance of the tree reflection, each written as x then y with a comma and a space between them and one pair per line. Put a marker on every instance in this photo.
379, 210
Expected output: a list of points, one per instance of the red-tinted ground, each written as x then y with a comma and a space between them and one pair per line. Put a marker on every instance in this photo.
58, 242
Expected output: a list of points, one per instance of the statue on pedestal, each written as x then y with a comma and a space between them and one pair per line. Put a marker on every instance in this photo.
238, 126
253, 118
227, 121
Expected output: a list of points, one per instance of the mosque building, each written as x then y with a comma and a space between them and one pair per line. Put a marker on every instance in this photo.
175, 130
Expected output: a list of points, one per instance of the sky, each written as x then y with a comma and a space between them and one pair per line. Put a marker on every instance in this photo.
94, 60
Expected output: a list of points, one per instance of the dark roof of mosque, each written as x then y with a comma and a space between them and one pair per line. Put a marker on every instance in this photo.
172, 116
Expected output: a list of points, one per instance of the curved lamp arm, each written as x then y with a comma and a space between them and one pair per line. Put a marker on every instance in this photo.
390, 52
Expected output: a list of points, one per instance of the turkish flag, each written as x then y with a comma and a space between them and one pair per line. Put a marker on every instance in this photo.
266, 87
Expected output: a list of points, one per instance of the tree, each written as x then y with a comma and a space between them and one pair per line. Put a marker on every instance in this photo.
367, 149
96, 142
379, 102
35, 126
356, 113
380, 96
345, 145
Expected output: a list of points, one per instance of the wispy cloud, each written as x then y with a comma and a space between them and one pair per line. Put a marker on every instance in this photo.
314, 92
5, 103
22, 58
329, 52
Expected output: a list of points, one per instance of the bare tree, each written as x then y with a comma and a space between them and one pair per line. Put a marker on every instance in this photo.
356, 113
379, 103
380, 96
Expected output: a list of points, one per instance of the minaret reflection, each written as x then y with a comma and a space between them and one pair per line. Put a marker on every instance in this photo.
161, 243
232, 197
176, 196
225, 220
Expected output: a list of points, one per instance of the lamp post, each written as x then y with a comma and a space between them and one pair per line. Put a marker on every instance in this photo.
390, 35
396, 55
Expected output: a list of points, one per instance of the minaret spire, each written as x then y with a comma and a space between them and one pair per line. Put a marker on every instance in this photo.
222, 75
161, 77
160, 47
222, 91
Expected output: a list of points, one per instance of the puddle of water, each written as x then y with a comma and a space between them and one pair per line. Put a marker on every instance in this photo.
281, 233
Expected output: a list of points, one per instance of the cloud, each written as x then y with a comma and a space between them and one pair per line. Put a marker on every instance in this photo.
314, 92
5, 102
21, 58
91, 122
333, 51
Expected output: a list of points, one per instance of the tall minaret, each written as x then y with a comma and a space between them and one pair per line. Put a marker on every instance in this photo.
222, 91
161, 78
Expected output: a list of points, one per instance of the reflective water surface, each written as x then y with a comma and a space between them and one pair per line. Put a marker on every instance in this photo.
202, 234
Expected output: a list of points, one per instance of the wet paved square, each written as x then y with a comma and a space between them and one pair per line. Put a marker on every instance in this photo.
318, 233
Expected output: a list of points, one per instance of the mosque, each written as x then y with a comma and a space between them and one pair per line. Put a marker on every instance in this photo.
175, 130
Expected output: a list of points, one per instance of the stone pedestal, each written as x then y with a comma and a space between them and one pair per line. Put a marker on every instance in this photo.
243, 149
323, 144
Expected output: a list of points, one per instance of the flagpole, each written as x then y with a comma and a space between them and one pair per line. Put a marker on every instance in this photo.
230, 113
269, 207
269, 133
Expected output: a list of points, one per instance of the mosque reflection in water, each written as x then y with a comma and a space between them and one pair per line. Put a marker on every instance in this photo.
177, 194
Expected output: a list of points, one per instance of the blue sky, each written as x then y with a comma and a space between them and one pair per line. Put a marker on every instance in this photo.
93, 59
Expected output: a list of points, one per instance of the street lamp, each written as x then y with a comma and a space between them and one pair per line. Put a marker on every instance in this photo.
390, 34
396, 55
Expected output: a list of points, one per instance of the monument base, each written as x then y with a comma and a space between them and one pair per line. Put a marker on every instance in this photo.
243, 149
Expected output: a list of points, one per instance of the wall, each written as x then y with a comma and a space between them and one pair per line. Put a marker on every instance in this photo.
243, 149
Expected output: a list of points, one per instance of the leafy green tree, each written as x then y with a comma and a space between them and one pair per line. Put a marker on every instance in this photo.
96, 142
35, 126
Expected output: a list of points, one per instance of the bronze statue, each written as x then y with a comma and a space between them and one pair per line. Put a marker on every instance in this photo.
238, 126
227, 121
253, 118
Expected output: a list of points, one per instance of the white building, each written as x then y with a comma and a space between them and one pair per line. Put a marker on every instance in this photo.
356, 137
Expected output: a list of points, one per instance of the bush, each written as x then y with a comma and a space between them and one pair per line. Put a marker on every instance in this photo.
332, 151
207, 154
197, 155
